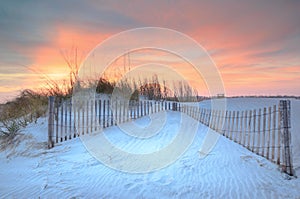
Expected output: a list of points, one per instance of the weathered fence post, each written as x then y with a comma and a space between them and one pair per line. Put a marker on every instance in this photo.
285, 121
174, 106
51, 122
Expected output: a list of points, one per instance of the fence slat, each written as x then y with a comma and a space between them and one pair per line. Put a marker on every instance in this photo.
75, 118
65, 120
237, 132
253, 134
218, 121
78, 121
273, 133
103, 113
113, 112
278, 136
56, 120
108, 113
249, 129
258, 132
213, 118
225, 123
51, 122
285, 134
232, 125
87, 116
269, 131
99, 114
264, 133
245, 129
220, 126
61, 121
204, 116
241, 128
229, 132
209, 113
92, 116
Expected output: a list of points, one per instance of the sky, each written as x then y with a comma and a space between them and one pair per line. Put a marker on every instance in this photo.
254, 44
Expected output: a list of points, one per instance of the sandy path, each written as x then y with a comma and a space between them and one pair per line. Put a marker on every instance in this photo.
68, 170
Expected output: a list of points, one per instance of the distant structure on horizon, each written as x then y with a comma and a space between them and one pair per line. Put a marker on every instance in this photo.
221, 95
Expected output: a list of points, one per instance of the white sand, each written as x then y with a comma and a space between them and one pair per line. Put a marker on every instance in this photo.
68, 170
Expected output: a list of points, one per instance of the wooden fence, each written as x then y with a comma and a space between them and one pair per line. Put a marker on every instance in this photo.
265, 132
67, 120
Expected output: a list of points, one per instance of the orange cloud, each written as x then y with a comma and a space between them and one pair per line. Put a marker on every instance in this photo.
241, 39
49, 60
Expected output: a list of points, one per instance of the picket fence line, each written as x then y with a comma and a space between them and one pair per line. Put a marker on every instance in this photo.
67, 120
265, 132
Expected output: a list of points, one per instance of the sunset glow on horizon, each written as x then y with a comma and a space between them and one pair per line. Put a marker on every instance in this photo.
254, 44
